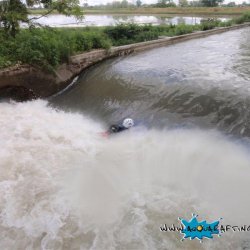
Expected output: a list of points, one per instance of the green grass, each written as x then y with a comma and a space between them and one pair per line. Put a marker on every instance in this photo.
47, 47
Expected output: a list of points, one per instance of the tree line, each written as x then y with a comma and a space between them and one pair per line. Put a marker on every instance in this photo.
116, 4
13, 12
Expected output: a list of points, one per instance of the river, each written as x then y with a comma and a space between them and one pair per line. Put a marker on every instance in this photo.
63, 186
56, 20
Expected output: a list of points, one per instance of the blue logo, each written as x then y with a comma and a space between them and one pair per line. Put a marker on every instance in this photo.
194, 229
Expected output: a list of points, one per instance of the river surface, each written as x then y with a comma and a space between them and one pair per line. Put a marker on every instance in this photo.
203, 83
64, 186
106, 20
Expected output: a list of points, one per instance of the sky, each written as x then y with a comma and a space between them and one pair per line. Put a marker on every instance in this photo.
97, 2
94, 2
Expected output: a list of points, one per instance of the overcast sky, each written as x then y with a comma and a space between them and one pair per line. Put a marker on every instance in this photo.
95, 2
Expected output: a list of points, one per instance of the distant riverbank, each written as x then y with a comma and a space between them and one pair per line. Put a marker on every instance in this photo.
171, 10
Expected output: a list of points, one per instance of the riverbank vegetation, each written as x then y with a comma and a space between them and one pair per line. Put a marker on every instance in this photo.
132, 33
49, 47
14, 12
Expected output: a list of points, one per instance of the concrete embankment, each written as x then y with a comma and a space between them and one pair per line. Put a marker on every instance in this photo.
25, 82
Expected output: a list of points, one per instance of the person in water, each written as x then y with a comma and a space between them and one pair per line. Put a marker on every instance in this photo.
126, 124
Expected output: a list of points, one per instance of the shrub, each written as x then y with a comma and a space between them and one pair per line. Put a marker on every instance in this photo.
49, 47
244, 18
210, 23
5, 62
182, 29
123, 33
239, 20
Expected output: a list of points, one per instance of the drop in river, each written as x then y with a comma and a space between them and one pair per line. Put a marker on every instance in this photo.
203, 83
63, 186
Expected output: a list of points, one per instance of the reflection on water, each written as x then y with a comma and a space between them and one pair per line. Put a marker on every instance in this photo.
203, 82
105, 20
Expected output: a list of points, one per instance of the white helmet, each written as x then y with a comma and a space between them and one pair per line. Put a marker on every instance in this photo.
128, 122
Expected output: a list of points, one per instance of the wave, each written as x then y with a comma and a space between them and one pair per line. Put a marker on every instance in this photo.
63, 186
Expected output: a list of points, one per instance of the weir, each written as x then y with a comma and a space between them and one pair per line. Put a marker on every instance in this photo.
64, 186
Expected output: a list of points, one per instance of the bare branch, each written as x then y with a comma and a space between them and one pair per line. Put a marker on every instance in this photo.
47, 13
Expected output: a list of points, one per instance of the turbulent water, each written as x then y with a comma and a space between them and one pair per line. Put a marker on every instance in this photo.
64, 186
203, 82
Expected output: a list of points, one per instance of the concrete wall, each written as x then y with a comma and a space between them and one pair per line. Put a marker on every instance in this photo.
44, 84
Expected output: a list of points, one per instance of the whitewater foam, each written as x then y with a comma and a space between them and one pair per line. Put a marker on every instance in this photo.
63, 186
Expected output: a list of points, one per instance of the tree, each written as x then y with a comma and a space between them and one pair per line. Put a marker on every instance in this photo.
165, 3
124, 4
195, 3
138, 3
183, 3
85, 4
231, 4
162, 2
12, 12
211, 3
245, 4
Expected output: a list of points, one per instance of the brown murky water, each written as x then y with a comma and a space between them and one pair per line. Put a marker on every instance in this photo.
203, 83
63, 186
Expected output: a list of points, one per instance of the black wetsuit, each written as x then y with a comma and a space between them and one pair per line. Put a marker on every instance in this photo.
116, 129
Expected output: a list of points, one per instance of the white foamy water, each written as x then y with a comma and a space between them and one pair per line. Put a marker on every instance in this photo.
62, 186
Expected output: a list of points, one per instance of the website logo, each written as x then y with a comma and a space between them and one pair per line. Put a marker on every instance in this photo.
195, 229
199, 229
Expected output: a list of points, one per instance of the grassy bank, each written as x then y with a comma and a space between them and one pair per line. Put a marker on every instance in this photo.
170, 10
47, 47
